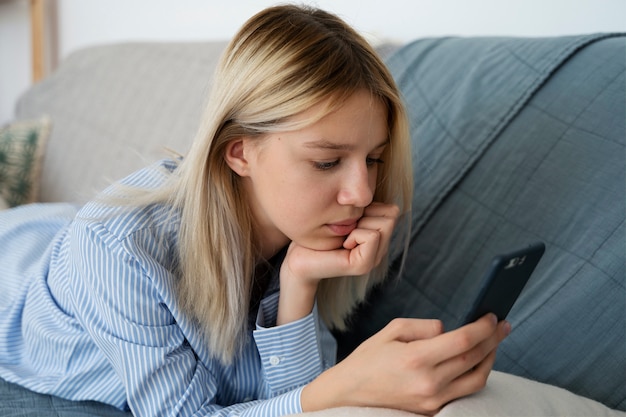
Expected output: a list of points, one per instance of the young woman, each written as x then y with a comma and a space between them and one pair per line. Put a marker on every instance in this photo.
206, 285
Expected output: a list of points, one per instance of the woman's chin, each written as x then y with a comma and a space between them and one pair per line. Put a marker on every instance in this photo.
333, 243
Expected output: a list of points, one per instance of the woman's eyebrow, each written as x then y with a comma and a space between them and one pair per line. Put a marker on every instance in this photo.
325, 144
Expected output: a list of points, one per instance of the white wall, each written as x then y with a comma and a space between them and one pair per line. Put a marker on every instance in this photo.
15, 63
86, 22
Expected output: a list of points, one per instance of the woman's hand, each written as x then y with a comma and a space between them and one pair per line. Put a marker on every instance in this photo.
363, 249
411, 365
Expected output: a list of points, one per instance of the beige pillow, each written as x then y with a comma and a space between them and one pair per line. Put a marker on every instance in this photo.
504, 396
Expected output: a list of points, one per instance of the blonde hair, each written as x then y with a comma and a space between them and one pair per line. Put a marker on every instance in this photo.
284, 60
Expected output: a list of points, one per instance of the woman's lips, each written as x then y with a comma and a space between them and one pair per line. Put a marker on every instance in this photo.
343, 228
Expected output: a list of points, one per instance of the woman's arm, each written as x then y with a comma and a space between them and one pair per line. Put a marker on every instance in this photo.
363, 249
411, 364
121, 299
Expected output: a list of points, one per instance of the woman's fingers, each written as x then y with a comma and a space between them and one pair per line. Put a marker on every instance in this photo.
472, 359
460, 341
409, 330
467, 383
381, 218
461, 360
471, 381
411, 364
466, 372
364, 245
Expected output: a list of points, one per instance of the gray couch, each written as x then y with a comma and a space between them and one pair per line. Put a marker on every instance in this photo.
515, 140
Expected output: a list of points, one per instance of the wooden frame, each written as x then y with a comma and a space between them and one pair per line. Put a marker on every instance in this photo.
37, 38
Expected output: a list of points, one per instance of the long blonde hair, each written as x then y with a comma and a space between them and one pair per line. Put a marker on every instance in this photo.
284, 60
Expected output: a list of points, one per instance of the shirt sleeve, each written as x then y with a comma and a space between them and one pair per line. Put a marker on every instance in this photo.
123, 311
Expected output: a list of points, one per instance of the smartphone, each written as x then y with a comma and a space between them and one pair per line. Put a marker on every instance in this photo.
504, 281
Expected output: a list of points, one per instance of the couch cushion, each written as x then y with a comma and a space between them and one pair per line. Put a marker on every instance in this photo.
519, 140
115, 108
16, 401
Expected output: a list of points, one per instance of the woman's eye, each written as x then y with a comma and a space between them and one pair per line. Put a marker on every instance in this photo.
323, 166
373, 161
326, 165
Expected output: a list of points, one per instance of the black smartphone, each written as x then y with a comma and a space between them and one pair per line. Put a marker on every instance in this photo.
504, 281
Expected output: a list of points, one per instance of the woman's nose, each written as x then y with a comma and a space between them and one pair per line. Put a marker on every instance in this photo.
357, 187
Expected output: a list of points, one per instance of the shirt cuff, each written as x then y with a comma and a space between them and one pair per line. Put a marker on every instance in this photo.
289, 353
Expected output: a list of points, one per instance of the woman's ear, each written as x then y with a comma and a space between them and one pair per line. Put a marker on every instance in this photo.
235, 157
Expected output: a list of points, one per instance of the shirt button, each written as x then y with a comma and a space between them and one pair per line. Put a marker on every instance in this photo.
274, 360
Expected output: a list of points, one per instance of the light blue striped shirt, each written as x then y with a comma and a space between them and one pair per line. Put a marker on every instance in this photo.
88, 312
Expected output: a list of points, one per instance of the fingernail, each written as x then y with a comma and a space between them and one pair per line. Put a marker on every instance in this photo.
507, 328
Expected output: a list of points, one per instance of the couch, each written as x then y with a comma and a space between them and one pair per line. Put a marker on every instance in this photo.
515, 140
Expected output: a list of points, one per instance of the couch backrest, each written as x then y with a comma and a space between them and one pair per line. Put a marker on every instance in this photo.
115, 108
516, 141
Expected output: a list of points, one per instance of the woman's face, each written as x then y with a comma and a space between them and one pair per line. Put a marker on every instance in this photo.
312, 185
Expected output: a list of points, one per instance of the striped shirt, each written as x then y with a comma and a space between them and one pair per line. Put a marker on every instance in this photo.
88, 312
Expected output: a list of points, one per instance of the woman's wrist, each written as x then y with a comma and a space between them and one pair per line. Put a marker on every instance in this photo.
322, 393
296, 300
